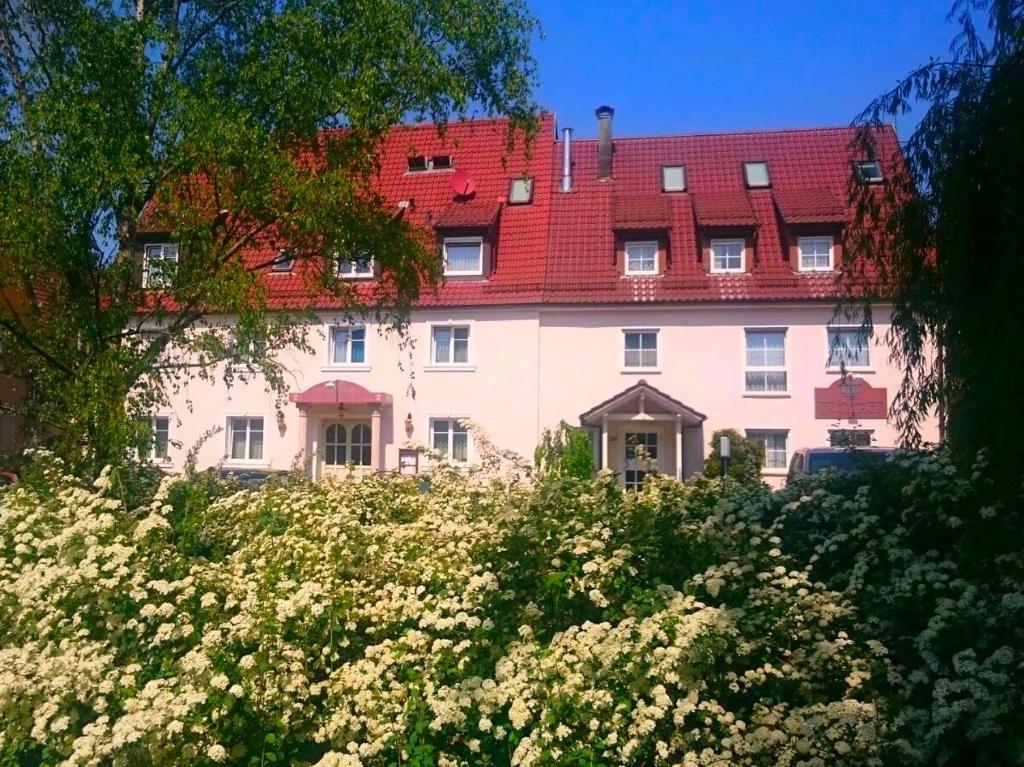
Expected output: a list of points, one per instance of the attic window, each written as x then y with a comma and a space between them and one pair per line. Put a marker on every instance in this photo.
520, 191
869, 171
755, 174
441, 162
418, 163
673, 178
283, 262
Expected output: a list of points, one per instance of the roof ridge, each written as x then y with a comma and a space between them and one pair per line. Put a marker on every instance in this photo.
749, 132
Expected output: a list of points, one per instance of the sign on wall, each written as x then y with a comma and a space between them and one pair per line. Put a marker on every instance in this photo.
850, 398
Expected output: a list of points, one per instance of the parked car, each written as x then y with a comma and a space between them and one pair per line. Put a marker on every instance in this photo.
810, 460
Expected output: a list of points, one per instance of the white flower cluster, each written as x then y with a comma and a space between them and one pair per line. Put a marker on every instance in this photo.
366, 623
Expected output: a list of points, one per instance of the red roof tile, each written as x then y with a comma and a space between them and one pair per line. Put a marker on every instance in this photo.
468, 214
640, 211
725, 208
808, 206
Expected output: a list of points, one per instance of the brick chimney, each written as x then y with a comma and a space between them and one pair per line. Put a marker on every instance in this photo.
604, 142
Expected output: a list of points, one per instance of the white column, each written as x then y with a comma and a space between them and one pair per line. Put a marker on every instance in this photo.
679, 448
304, 438
605, 459
375, 458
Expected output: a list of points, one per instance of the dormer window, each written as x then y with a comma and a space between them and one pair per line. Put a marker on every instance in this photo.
283, 263
755, 174
673, 178
358, 268
727, 256
160, 263
463, 256
421, 163
520, 191
641, 258
816, 254
869, 171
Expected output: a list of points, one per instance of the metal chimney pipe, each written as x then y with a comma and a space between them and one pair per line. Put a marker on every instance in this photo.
567, 160
604, 142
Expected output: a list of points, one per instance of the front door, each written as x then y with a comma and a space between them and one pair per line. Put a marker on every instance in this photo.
641, 457
347, 447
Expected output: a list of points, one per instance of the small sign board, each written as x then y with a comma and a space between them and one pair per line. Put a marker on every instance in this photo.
850, 398
408, 461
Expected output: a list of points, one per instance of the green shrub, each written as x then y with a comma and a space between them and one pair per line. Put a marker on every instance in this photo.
745, 462
565, 452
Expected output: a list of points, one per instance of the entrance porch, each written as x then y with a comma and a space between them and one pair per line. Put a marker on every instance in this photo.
342, 428
642, 430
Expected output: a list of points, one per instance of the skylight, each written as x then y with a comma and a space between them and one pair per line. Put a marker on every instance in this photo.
755, 174
520, 191
869, 171
673, 178
418, 163
441, 162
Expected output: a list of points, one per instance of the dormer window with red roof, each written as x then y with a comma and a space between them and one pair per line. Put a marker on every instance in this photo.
641, 257
463, 256
816, 254
755, 174
728, 256
359, 267
160, 261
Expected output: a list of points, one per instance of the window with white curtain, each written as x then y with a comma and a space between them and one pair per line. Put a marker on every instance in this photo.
245, 438
815, 254
347, 345
848, 347
450, 344
774, 441
641, 348
450, 438
463, 256
765, 360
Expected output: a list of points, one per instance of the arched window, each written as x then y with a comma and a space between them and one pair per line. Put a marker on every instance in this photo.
360, 454
335, 444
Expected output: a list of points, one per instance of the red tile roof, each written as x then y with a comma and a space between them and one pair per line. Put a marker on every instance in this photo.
560, 248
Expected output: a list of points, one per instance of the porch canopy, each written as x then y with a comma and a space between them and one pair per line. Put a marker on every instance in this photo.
642, 405
339, 393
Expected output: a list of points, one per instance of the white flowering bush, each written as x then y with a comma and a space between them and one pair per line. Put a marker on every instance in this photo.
372, 623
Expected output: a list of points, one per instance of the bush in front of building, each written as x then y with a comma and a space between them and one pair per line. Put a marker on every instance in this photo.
491, 621
745, 461
565, 452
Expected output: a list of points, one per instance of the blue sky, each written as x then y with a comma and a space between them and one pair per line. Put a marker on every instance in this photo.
710, 65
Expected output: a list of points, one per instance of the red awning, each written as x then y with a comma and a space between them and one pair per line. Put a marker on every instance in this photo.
339, 393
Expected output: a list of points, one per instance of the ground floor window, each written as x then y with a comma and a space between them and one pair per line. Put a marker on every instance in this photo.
245, 438
642, 444
450, 438
344, 446
634, 479
774, 441
849, 437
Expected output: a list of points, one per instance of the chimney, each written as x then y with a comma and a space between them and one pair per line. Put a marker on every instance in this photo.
604, 142
567, 160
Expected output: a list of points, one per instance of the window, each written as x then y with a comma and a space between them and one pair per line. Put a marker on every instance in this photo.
849, 437
450, 345
848, 347
283, 262
463, 256
161, 261
727, 255
245, 438
755, 174
641, 348
766, 361
359, 267
673, 178
441, 162
418, 163
520, 191
641, 258
450, 438
339, 451
774, 447
815, 254
640, 446
159, 438
347, 346
869, 171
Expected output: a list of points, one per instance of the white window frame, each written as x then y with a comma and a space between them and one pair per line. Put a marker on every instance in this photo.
743, 255
746, 174
151, 455
859, 167
281, 264
478, 241
831, 253
330, 363
773, 470
167, 278
656, 332
641, 244
664, 186
453, 421
836, 368
747, 368
367, 275
433, 364
229, 433
523, 183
